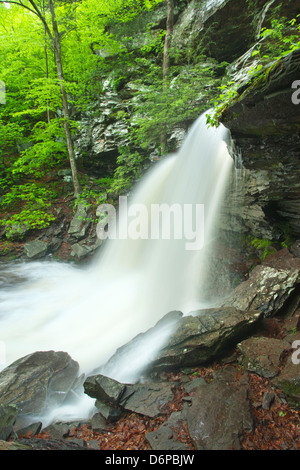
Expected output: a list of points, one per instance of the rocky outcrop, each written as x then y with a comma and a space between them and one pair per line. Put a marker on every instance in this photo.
269, 285
8, 414
263, 355
205, 23
80, 224
196, 338
147, 399
36, 249
37, 382
220, 412
264, 124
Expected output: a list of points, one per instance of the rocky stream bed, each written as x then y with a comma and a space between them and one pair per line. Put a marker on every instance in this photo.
228, 379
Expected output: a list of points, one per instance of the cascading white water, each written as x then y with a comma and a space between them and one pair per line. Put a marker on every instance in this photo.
90, 312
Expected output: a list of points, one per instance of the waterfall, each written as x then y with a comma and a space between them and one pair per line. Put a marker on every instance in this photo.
91, 311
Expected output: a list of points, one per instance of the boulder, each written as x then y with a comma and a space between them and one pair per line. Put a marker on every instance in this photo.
4, 445
104, 389
37, 382
17, 231
36, 249
8, 414
289, 382
220, 412
263, 355
79, 224
197, 338
80, 250
147, 399
164, 438
206, 22
269, 286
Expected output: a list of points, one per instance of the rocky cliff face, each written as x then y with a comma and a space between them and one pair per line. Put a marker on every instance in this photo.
264, 123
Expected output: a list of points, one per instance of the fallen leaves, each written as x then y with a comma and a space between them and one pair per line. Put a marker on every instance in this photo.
275, 429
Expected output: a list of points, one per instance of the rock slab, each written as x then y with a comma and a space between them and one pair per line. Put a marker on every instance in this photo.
220, 412
36, 382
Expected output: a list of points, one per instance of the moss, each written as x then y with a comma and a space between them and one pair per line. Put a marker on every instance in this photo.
292, 391
263, 245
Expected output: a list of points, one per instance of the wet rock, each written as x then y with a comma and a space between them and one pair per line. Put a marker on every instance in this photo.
164, 437
266, 290
262, 355
147, 399
8, 414
80, 250
109, 413
17, 232
36, 249
220, 412
104, 389
4, 445
79, 224
51, 444
203, 336
217, 18
264, 121
37, 382
31, 430
289, 382
113, 397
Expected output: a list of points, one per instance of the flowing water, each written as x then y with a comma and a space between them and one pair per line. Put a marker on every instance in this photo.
91, 311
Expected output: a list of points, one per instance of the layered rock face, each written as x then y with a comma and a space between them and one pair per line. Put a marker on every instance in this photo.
264, 123
198, 27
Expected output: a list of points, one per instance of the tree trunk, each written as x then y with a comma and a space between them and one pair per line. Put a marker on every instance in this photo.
60, 74
165, 70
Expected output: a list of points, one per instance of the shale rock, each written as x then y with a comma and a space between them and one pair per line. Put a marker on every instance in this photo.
262, 355
220, 412
264, 125
147, 399
8, 414
36, 382
268, 287
289, 381
36, 249
164, 437
217, 19
114, 397
4, 445
79, 224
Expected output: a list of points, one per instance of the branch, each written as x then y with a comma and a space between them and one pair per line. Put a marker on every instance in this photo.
20, 5
35, 11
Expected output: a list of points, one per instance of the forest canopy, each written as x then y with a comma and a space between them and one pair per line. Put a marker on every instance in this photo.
55, 58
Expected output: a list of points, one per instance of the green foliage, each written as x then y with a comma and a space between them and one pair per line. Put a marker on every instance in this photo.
30, 204
280, 39
183, 98
46, 151
262, 245
130, 167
